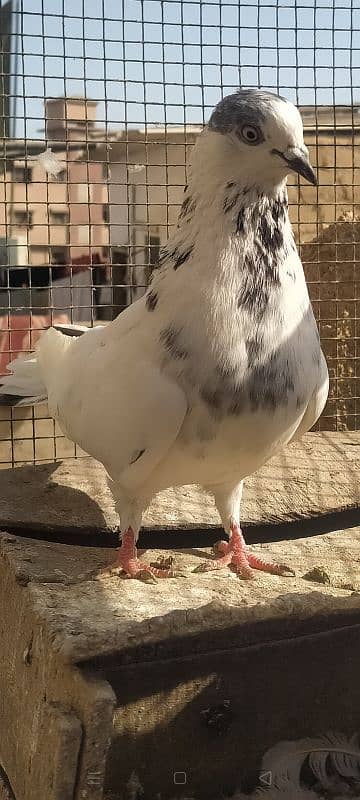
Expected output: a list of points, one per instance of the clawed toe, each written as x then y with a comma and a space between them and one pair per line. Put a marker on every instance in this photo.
286, 571
110, 570
234, 554
134, 568
214, 563
144, 574
272, 568
242, 570
128, 564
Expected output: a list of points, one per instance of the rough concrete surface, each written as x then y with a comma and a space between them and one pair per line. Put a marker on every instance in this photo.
88, 617
49, 711
61, 623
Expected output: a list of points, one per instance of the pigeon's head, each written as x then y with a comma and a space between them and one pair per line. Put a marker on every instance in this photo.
265, 132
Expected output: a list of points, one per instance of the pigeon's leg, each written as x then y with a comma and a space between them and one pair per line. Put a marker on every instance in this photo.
234, 554
128, 562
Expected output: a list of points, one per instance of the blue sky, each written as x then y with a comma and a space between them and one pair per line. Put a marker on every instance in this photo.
148, 61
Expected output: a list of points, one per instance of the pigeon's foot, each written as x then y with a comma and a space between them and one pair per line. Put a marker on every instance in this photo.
234, 554
128, 563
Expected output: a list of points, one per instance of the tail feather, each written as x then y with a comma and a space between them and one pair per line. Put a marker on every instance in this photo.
27, 364
33, 375
24, 386
16, 400
72, 330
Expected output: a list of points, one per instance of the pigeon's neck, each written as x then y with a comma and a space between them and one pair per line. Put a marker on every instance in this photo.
231, 218
228, 227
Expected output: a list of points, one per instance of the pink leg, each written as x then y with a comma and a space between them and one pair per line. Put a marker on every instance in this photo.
234, 554
127, 561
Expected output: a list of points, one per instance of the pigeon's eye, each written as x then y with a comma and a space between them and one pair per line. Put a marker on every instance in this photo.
250, 134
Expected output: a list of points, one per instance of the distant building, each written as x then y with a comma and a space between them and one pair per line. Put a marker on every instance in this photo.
332, 134
148, 171
119, 195
147, 175
56, 224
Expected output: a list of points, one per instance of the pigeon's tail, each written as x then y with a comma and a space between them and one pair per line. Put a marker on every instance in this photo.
32, 375
24, 387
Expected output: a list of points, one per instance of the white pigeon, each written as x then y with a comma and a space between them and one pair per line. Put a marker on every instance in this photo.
219, 365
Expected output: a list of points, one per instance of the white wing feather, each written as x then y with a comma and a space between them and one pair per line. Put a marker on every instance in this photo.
317, 402
110, 376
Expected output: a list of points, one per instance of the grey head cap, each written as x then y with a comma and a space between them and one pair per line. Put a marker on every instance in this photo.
244, 107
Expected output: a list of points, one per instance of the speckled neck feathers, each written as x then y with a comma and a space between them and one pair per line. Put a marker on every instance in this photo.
229, 233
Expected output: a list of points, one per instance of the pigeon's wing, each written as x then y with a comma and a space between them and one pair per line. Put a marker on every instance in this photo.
142, 420
112, 399
317, 402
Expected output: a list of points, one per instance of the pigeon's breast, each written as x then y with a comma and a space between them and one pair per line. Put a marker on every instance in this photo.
253, 405
250, 381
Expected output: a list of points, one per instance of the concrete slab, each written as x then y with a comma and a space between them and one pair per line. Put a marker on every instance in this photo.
88, 617
99, 677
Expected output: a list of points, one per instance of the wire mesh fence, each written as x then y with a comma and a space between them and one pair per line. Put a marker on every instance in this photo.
100, 104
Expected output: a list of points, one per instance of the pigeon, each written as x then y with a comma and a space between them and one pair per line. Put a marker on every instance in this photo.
219, 364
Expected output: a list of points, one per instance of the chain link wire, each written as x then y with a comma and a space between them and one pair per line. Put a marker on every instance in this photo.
100, 104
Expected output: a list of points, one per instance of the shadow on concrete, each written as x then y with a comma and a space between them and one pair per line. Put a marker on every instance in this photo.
211, 705
70, 516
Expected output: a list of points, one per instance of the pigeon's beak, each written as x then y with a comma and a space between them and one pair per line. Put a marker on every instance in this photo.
297, 159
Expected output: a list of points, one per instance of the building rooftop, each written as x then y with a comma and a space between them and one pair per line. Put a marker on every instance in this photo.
71, 124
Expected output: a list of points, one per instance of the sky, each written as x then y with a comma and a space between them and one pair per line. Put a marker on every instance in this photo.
156, 61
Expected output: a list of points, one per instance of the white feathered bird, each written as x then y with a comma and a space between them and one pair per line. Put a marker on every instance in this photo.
219, 365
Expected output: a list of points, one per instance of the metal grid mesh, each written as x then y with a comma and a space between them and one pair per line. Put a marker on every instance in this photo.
140, 78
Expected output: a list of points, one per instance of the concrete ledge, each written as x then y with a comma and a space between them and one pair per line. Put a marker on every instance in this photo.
100, 677
89, 618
